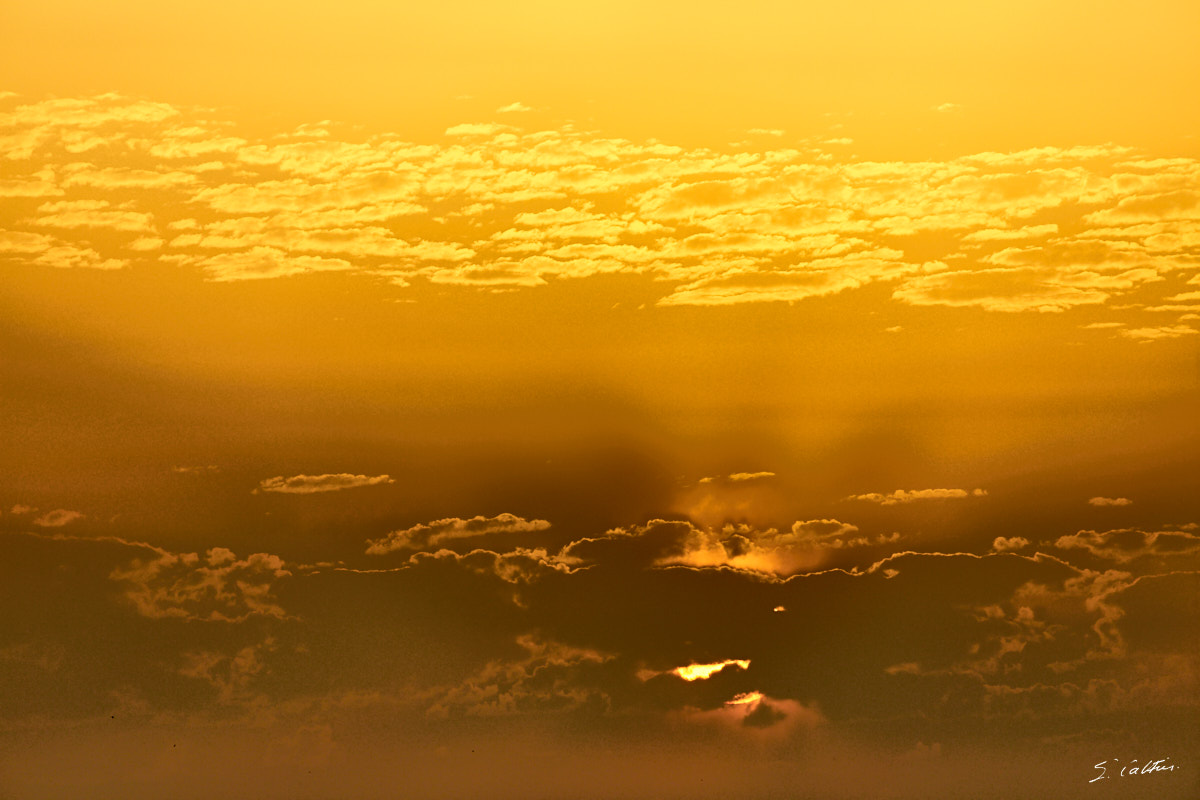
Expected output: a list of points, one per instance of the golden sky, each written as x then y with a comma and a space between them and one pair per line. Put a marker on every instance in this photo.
593, 400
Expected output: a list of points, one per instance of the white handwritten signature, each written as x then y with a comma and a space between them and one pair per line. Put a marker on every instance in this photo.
1159, 765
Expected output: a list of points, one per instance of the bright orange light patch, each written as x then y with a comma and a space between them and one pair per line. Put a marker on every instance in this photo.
745, 699
699, 672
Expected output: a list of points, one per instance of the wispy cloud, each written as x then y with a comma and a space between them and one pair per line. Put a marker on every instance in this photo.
57, 518
1127, 544
738, 477
426, 536
1110, 501
1005, 544
914, 495
312, 484
217, 586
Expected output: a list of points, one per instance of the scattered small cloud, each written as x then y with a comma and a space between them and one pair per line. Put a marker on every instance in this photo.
217, 586
1160, 332
913, 495
739, 477
1009, 234
424, 537
476, 129
57, 518
1003, 544
145, 243
513, 108
946, 108
1110, 501
312, 484
1126, 544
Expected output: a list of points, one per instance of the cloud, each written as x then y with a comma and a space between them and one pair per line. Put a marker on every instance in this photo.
512, 107
806, 279
1007, 290
739, 477
1110, 501
260, 263
1009, 234
426, 536
1002, 544
1160, 332
1128, 544
754, 711
490, 201
517, 566
57, 518
933, 640
750, 476
312, 484
1150, 207
215, 587
122, 178
25, 242
546, 679
662, 543
233, 676
913, 495
36, 186
91, 214
145, 243
51, 251
75, 124
477, 129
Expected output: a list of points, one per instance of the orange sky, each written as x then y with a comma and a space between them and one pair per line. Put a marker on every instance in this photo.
398, 401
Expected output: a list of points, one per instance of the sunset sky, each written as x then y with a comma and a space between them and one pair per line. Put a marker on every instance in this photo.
594, 400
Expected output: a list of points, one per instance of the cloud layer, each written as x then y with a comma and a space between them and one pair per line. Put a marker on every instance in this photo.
494, 206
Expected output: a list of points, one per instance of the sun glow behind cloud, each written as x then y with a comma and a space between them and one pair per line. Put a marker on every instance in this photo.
747, 698
699, 672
